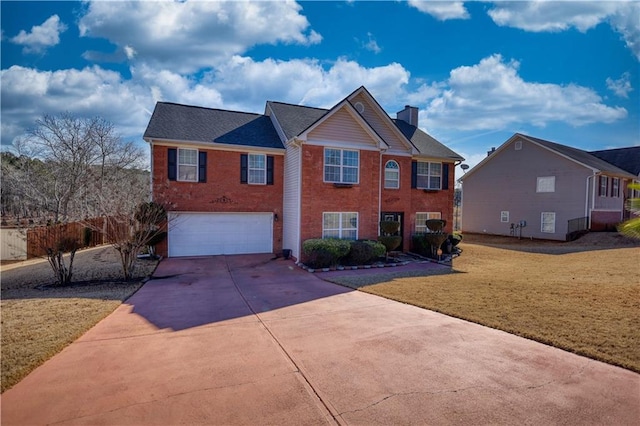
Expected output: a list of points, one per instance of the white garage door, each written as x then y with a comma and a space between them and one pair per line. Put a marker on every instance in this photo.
202, 234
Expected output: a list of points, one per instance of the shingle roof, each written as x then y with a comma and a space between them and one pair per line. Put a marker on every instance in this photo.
294, 119
579, 155
625, 158
190, 123
424, 142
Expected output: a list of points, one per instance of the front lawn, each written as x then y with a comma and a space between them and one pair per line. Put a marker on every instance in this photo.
583, 297
39, 321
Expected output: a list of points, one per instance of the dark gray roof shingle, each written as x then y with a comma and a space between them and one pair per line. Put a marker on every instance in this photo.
425, 143
626, 158
294, 119
190, 123
579, 155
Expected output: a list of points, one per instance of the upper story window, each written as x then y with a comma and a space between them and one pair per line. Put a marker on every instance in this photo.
429, 175
546, 184
615, 187
392, 175
341, 165
603, 184
257, 169
188, 165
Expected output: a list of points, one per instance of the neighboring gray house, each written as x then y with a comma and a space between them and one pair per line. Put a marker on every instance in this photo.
531, 187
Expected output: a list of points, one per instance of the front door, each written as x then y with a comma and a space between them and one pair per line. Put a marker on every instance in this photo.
395, 216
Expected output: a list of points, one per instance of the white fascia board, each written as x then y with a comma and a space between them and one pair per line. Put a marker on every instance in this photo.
216, 146
385, 117
276, 123
354, 114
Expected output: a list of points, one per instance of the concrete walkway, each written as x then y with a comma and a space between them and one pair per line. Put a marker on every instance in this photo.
246, 340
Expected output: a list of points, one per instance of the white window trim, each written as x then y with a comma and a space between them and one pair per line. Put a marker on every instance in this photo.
178, 164
429, 215
249, 169
546, 184
542, 222
429, 175
504, 216
342, 167
397, 170
340, 229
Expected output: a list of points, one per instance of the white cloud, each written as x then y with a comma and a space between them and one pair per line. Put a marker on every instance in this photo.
553, 16
41, 36
622, 86
189, 36
372, 44
28, 93
241, 84
491, 95
441, 10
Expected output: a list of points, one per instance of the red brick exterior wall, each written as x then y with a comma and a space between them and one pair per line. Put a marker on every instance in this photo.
319, 197
605, 220
222, 192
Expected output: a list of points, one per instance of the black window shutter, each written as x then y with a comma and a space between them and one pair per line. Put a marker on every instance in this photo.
202, 166
445, 176
173, 164
414, 174
244, 166
269, 170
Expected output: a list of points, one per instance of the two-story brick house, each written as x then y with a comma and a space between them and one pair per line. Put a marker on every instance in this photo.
251, 183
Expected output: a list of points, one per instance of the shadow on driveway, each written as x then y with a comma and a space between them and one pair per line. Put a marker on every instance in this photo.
191, 292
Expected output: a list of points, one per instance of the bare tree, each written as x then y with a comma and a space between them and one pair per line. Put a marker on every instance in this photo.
78, 169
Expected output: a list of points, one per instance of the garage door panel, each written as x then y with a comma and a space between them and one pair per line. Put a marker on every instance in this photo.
201, 234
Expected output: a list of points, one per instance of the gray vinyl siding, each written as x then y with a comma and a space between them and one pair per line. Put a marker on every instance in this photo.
291, 201
507, 182
378, 124
341, 126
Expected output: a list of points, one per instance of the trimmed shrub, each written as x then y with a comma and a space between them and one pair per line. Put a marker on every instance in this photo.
325, 252
389, 227
360, 253
379, 249
419, 245
436, 225
390, 242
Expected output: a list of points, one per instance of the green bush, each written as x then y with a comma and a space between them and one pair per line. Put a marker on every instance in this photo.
389, 227
390, 242
419, 245
379, 249
323, 252
360, 253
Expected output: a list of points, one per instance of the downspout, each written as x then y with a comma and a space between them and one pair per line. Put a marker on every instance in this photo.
593, 197
151, 174
380, 180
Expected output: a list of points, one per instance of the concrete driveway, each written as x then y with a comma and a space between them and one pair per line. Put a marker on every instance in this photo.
247, 340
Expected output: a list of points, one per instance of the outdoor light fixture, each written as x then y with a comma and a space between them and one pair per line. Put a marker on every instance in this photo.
275, 217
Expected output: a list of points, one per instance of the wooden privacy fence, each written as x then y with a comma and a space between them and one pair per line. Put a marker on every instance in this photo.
88, 233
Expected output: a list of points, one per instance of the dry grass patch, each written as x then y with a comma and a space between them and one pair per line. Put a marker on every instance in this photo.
585, 298
38, 321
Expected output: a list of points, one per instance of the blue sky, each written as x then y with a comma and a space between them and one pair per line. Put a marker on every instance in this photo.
566, 71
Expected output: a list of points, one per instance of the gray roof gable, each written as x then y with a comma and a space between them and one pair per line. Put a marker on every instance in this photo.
625, 158
425, 143
294, 119
178, 122
579, 155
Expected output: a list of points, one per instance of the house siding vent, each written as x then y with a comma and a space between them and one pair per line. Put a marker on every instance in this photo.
518, 145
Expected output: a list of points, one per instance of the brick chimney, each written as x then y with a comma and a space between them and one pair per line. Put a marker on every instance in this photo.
409, 114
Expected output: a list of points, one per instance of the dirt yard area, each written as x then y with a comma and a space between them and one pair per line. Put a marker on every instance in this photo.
581, 296
39, 320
